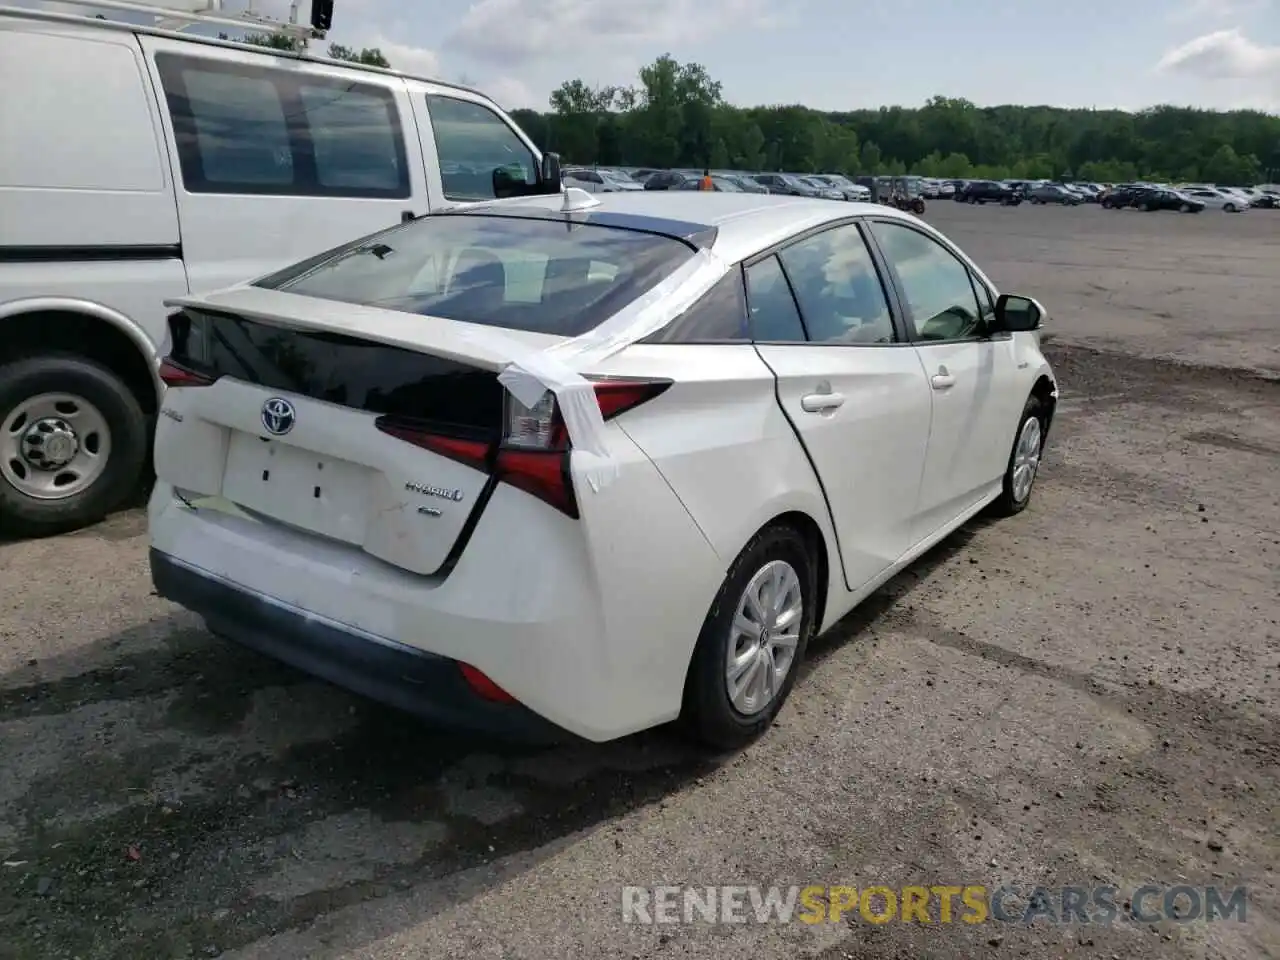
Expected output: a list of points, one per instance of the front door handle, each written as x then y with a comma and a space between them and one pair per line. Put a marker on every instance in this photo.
821, 402
943, 381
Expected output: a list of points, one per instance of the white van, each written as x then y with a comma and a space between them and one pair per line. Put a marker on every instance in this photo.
138, 164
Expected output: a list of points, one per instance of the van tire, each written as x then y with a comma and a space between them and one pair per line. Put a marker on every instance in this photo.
24, 515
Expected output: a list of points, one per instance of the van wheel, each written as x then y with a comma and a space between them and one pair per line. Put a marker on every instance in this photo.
73, 444
1024, 461
753, 641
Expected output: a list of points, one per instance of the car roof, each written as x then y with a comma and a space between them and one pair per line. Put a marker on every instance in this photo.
743, 224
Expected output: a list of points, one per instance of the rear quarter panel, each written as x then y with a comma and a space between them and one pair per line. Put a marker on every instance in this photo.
721, 441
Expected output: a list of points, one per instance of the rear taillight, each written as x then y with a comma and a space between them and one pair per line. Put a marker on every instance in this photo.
189, 337
533, 454
175, 375
482, 686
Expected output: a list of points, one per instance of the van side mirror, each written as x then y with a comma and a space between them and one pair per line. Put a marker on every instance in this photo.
514, 182
549, 175
1016, 314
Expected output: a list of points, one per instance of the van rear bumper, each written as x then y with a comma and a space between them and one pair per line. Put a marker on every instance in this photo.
426, 685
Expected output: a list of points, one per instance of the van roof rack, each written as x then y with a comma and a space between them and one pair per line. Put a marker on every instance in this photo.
178, 15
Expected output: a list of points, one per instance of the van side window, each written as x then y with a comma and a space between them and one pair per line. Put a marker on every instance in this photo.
471, 142
240, 135
356, 138
249, 130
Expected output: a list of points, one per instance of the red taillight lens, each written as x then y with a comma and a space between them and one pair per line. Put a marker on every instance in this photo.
474, 453
176, 375
534, 452
482, 686
545, 474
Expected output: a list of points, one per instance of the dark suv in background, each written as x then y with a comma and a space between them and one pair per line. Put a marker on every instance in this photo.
1122, 196
988, 191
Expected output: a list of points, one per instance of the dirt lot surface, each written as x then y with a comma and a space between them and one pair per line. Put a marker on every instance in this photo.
1086, 694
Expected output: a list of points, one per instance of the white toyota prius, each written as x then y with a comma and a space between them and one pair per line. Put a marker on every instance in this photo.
583, 465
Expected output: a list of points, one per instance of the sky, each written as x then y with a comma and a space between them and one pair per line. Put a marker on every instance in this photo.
838, 54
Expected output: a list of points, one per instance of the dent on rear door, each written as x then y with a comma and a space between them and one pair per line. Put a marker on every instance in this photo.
720, 440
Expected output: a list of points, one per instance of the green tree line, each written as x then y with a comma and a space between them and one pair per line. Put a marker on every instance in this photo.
369, 56
676, 116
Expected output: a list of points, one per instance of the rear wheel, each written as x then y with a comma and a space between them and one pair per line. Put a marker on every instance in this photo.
752, 641
1230, 208
1024, 461
73, 444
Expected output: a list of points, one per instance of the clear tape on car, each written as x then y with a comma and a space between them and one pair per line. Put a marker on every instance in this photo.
531, 373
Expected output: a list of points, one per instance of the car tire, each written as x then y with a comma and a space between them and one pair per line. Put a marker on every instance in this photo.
1028, 446
1229, 208
1185, 208
709, 713
100, 413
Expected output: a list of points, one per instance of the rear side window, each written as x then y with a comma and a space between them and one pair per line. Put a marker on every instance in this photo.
252, 130
471, 142
775, 318
503, 271
720, 316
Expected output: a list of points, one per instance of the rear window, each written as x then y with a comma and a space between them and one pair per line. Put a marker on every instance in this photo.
542, 276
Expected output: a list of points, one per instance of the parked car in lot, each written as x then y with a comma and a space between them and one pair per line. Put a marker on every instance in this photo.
147, 163
598, 180
987, 191
823, 189
1054, 193
449, 465
745, 183
1215, 199
847, 189
788, 184
1122, 196
1162, 199
719, 184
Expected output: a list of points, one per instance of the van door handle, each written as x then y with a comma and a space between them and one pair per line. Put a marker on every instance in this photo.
821, 402
943, 381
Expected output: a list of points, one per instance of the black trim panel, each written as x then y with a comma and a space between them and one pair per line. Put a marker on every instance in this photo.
108, 252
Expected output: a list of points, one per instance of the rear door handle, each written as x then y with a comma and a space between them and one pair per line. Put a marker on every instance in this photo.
943, 381
821, 402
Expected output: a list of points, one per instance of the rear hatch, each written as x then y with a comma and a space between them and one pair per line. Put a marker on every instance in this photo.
300, 427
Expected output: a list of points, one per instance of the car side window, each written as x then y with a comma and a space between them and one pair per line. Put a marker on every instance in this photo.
839, 291
243, 129
775, 318
719, 316
986, 301
471, 143
935, 284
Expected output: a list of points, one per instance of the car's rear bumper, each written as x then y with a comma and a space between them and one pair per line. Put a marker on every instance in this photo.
424, 684
558, 612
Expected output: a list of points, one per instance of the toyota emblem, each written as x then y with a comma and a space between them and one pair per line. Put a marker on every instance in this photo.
278, 416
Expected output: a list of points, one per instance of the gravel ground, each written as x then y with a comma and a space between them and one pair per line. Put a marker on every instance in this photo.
1085, 694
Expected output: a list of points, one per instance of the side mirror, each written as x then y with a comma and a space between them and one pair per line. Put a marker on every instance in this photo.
549, 175
1016, 314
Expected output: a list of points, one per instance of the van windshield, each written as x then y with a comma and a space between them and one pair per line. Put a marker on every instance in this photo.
520, 273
